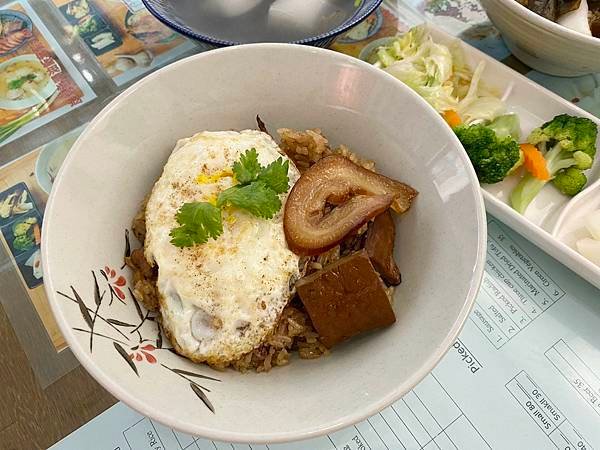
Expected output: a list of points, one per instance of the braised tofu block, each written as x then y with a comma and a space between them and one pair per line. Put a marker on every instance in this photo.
346, 298
380, 247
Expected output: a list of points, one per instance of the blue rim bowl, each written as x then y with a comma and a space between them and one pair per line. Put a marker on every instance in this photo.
158, 10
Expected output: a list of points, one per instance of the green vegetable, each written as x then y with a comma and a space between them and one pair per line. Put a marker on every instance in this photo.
567, 142
18, 82
570, 181
256, 193
247, 168
491, 148
13, 126
199, 221
573, 133
275, 176
23, 242
506, 125
477, 105
386, 57
438, 74
423, 65
21, 228
88, 26
256, 198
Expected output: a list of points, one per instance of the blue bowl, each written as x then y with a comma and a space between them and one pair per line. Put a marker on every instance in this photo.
221, 23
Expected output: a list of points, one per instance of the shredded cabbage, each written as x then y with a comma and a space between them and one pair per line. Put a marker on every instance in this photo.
440, 75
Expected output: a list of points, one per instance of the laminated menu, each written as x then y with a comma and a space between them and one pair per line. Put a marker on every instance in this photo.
38, 82
24, 188
124, 37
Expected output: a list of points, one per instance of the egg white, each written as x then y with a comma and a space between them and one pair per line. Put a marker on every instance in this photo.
221, 299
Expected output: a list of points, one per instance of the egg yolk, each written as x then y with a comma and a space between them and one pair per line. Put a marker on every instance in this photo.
202, 178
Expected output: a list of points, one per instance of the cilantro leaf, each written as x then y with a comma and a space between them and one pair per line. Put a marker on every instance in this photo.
275, 176
247, 168
256, 198
257, 192
19, 82
199, 221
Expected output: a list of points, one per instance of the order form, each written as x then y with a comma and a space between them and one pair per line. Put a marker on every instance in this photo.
523, 374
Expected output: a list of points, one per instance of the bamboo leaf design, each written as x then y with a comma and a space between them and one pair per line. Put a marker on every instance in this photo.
84, 311
97, 296
98, 316
91, 314
192, 374
98, 301
137, 305
99, 334
127, 252
125, 356
119, 323
159, 339
202, 396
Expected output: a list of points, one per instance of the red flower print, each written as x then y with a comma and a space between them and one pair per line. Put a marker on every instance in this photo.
115, 282
141, 353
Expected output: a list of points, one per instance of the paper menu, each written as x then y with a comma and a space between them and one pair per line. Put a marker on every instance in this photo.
524, 374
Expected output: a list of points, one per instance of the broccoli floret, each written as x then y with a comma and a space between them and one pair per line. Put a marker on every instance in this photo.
572, 144
574, 134
23, 242
583, 161
518, 164
492, 157
570, 181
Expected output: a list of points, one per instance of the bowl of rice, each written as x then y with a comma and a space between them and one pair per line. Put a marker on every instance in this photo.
332, 124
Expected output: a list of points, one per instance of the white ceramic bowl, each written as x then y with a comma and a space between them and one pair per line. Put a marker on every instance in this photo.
113, 165
51, 157
542, 44
569, 226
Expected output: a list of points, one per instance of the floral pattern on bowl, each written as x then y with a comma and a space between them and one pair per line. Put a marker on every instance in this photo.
136, 343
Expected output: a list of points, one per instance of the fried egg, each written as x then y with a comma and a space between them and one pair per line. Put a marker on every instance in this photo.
221, 299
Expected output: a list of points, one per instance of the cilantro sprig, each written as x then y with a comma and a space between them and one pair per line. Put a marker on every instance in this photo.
257, 192
199, 221
247, 168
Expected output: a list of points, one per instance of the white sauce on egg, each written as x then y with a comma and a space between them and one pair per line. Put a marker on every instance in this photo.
219, 299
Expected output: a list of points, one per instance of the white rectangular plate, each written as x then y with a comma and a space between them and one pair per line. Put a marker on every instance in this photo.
534, 105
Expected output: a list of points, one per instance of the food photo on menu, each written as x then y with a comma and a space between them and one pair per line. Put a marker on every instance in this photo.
124, 37
25, 185
330, 225
38, 82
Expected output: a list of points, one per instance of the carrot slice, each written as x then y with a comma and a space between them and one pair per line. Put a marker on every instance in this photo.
534, 162
37, 235
452, 118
